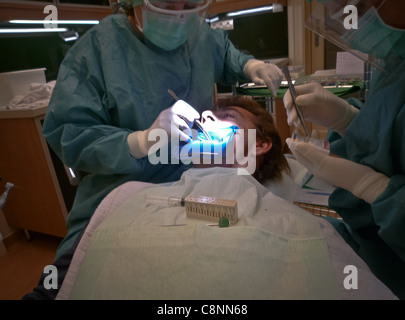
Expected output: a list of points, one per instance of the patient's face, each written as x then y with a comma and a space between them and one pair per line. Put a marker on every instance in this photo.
232, 116
225, 117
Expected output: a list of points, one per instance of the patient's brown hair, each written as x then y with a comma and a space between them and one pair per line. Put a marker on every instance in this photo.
273, 163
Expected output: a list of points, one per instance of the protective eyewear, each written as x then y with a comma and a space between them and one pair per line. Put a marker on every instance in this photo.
177, 7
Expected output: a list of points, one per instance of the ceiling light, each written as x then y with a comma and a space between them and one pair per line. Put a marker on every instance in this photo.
32, 30
276, 7
54, 21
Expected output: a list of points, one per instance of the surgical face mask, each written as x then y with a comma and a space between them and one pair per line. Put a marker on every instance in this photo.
171, 23
168, 31
375, 37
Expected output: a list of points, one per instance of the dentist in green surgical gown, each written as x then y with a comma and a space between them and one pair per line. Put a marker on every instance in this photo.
112, 90
368, 138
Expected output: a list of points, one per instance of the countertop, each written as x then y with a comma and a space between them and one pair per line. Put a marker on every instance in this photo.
12, 113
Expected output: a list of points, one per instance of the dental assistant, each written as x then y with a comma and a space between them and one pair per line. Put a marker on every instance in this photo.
369, 140
112, 91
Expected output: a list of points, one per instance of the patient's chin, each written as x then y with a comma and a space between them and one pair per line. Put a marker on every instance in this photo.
208, 162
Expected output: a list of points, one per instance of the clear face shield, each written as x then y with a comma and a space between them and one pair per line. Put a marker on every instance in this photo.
172, 23
356, 27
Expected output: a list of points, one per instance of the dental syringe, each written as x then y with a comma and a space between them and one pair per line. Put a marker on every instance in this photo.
202, 207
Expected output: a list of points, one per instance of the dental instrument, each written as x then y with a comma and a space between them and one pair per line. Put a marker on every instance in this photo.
174, 96
294, 97
205, 144
197, 123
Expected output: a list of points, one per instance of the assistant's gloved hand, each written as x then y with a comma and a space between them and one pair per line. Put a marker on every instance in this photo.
320, 106
364, 182
264, 73
176, 121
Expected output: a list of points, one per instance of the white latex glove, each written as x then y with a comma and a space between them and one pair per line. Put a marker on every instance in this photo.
176, 121
364, 182
320, 106
264, 73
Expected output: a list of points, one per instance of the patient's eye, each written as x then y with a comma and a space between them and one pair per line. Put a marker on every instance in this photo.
226, 114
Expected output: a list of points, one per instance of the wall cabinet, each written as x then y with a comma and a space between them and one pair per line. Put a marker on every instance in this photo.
87, 2
57, 2
35, 203
66, 11
98, 9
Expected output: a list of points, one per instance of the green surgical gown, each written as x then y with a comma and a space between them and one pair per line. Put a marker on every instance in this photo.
110, 84
376, 138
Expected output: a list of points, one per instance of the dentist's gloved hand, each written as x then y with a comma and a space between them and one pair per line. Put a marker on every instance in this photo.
264, 73
176, 121
362, 181
320, 106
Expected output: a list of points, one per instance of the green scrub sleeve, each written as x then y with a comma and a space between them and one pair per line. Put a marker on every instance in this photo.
234, 60
84, 140
80, 124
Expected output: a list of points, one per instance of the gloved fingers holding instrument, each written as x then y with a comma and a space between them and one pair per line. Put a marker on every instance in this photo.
320, 106
176, 121
362, 181
264, 73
